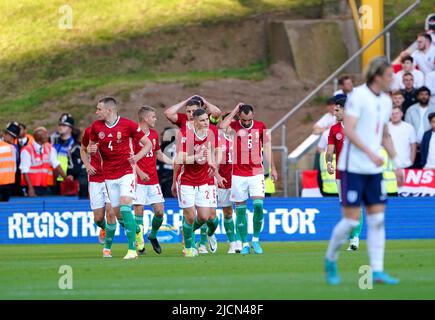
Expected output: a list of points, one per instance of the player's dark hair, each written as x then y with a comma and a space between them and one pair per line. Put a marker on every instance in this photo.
199, 112
246, 108
343, 78
195, 101
377, 67
108, 101
22, 125
200, 100
431, 116
407, 58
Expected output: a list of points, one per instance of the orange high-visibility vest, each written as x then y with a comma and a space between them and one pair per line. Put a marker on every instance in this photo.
41, 172
8, 164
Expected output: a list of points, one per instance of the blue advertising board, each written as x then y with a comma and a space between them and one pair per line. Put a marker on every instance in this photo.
69, 220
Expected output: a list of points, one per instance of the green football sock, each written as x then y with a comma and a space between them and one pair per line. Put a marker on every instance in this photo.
110, 234
212, 225
187, 233
121, 222
130, 225
357, 231
229, 229
101, 224
155, 225
203, 238
258, 217
197, 224
237, 234
241, 222
139, 222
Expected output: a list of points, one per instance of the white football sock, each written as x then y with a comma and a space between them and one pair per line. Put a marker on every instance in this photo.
339, 235
376, 240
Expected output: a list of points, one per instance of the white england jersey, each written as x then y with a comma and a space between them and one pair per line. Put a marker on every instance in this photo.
373, 112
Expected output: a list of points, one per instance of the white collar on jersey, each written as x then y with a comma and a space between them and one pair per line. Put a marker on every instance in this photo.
114, 124
197, 135
252, 124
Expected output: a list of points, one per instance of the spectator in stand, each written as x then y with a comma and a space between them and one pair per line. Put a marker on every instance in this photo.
409, 93
327, 120
8, 160
398, 99
407, 67
430, 83
417, 114
346, 85
424, 56
404, 138
428, 145
38, 160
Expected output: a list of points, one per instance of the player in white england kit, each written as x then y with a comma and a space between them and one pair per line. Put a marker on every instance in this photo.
367, 114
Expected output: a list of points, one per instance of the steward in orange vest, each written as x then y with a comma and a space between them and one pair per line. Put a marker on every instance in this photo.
8, 161
38, 161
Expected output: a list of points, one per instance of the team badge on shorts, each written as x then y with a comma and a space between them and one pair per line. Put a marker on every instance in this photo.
101, 135
352, 196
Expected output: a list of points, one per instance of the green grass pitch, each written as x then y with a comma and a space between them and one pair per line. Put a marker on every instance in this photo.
287, 270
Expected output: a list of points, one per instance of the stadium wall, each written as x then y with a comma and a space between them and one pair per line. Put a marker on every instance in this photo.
69, 220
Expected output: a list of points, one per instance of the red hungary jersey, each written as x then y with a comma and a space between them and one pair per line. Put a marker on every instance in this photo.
195, 174
336, 138
95, 159
226, 168
115, 145
249, 148
148, 163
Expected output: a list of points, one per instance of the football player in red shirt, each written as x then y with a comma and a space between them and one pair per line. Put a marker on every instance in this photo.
148, 190
196, 148
190, 105
251, 142
100, 203
186, 119
335, 143
112, 137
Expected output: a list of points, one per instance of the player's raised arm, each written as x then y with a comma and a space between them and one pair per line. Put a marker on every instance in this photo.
171, 112
212, 109
227, 121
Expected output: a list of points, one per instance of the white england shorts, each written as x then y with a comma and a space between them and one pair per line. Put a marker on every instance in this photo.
224, 198
98, 195
189, 196
244, 187
122, 187
148, 195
